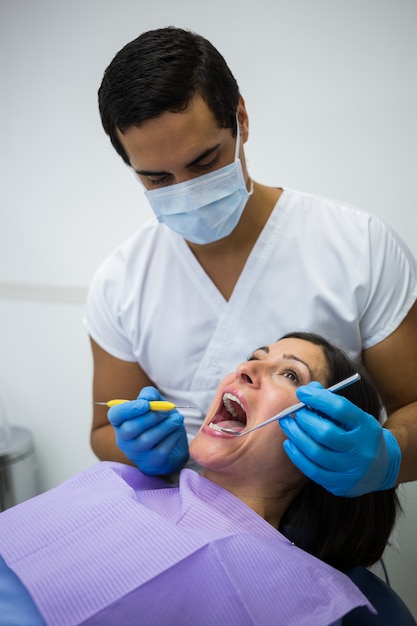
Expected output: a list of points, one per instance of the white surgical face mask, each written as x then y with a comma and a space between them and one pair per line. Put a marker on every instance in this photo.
206, 208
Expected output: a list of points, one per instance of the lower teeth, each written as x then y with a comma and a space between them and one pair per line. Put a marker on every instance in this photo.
215, 427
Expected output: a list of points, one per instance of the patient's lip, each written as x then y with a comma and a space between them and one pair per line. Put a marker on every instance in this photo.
240, 396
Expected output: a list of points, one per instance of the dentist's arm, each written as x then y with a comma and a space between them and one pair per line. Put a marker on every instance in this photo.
392, 364
155, 442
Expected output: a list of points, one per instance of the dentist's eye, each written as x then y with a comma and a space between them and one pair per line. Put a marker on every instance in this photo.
161, 180
205, 167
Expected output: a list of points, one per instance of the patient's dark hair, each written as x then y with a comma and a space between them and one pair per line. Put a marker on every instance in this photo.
344, 532
161, 70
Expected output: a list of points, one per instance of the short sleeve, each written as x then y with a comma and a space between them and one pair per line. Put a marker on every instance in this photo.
103, 319
392, 288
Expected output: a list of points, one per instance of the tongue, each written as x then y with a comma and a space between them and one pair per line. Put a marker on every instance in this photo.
233, 424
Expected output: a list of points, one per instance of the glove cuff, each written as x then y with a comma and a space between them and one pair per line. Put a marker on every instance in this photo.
394, 455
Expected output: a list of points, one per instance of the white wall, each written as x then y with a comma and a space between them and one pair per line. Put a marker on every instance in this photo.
330, 87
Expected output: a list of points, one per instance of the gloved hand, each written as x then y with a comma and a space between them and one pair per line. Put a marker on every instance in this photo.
155, 441
348, 453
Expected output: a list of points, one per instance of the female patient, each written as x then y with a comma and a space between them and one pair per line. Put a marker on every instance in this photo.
113, 546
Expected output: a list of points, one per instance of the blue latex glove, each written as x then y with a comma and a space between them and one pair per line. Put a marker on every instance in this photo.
155, 441
348, 453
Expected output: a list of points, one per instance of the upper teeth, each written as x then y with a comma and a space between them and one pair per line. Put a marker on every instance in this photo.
228, 400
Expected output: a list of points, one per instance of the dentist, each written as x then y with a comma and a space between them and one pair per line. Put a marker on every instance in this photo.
227, 262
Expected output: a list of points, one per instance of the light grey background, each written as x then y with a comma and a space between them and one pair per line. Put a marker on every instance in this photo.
330, 87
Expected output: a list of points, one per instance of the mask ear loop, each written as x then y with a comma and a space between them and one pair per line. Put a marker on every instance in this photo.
237, 138
237, 152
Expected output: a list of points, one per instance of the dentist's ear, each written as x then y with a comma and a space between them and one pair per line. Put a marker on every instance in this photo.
243, 120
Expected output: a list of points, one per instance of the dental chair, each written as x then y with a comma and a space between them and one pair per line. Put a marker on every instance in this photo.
391, 609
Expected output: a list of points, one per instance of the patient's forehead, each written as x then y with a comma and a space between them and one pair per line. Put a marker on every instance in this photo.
312, 355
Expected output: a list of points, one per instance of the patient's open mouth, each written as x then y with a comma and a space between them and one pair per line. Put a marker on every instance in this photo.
231, 414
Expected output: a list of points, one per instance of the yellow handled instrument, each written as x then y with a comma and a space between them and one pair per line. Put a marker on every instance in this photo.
155, 405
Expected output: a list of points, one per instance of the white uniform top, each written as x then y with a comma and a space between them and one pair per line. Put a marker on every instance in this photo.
317, 266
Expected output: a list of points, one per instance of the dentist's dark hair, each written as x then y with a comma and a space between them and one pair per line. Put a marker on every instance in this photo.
344, 532
162, 70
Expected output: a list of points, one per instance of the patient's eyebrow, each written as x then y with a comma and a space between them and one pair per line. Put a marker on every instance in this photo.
251, 356
200, 157
293, 357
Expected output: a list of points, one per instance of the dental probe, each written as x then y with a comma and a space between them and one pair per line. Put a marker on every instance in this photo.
156, 405
294, 407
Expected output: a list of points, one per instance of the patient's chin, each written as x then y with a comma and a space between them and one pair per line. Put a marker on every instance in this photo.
195, 449
203, 450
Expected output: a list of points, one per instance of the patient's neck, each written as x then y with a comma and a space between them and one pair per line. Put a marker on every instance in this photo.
270, 504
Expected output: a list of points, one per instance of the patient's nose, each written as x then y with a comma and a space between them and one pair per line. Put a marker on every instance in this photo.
250, 372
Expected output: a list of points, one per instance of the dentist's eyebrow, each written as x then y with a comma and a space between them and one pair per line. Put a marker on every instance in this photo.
200, 157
